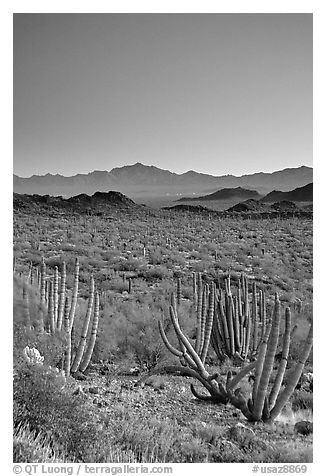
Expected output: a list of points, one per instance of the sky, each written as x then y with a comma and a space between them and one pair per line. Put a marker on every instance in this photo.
216, 93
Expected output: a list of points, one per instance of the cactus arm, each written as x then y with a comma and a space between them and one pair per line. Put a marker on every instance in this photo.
187, 344
206, 398
230, 317
178, 291
83, 336
62, 296
240, 375
199, 315
169, 346
67, 357
209, 323
203, 321
55, 294
260, 361
216, 340
294, 378
236, 324
215, 397
254, 318
221, 315
51, 308
239, 402
91, 343
263, 312
194, 287
268, 362
74, 295
282, 366
42, 281
247, 334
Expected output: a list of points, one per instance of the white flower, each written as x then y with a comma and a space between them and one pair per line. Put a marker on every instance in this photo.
33, 356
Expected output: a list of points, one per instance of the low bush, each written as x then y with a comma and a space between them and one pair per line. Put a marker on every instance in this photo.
43, 401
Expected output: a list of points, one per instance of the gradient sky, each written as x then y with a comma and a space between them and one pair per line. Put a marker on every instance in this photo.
216, 93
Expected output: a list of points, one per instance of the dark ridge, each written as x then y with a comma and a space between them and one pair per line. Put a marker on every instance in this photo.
250, 205
99, 202
189, 208
113, 197
284, 205
225, 194
300, 194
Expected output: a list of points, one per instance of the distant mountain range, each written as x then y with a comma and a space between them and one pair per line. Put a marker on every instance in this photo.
140, 180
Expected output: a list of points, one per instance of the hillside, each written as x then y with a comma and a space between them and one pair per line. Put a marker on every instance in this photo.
300, 194
99, 202
225, 194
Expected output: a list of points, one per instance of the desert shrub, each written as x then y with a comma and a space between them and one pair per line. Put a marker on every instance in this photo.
130, 329
43, 400
157, 273
34, 447
129, 264
302, 400
118, 286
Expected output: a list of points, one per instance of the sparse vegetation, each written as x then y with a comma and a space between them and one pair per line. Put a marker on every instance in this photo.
129, 403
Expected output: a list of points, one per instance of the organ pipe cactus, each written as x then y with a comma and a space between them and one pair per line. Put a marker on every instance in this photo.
267, 401
64, 307
238, 321
192, 364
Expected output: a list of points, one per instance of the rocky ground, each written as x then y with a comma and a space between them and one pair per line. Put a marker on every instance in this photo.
214, 433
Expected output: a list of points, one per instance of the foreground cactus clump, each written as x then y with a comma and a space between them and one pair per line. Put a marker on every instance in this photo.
265, 403
59, 312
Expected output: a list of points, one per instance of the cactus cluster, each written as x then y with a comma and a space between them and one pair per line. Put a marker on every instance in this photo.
239, 320
59, 312
266, 401
269, 396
